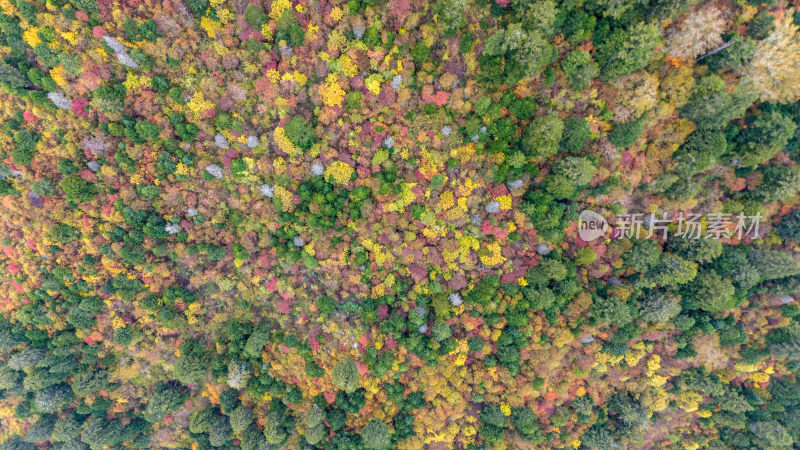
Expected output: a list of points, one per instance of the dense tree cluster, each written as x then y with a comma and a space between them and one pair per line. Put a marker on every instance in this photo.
354, 225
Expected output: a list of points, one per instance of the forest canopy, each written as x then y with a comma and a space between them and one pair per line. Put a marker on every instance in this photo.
366, 225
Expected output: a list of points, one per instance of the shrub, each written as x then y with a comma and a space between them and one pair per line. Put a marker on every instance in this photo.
274, 431
579, 69
241, 418
761, 25
612, 310
255, 16
66, 429
585, 256
626, 51
578, 26
198, 7
576, 132
441, 331
700, 250
345, 375
451, 13
624, 135
660, 306
542, 136
219, 432
299, 131
711, 106
710, 292
420, 52
700, 152
375, 435
200, 420
789, 226
147, 130
579, 170
25, 148
192, 364
774, 264
167, 398
63, 233
99, 433
764, 136
76, 188
779, 183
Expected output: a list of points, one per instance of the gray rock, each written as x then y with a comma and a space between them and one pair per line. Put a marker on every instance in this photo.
514, 185
614, 281
587, 340
786, 299
35, 199
173, 228
59, 100
121, 52
285, 51
114, 44
476, 220
396, 80
220, 141
214, 170
359, 29
96, 145
127, 61
238, 374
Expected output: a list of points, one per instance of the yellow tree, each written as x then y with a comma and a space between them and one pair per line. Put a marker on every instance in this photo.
775, 68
